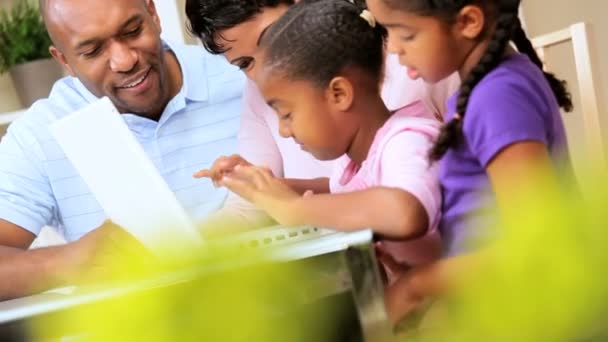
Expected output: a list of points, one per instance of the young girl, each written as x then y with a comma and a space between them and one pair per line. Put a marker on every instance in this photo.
501, 126
325, 89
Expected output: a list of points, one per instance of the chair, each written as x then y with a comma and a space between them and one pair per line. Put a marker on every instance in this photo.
580, 34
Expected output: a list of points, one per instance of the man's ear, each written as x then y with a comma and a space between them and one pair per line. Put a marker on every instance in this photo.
340, 93
60, 58
471, 21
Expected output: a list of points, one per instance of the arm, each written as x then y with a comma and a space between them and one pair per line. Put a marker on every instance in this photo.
26, 204
100, 254
28, 271
511, 171
239, 215
390, 211
301, 186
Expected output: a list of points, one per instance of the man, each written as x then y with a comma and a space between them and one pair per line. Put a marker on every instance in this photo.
181, 104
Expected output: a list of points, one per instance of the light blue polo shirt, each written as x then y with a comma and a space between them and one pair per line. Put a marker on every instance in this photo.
39, 186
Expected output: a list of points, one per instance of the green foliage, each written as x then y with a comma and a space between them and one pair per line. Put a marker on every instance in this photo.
544, 280
23, 36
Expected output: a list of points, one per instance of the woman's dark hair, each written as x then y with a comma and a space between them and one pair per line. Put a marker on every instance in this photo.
316, 40
508, 28
207, 18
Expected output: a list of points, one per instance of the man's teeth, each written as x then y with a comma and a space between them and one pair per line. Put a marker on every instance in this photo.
136, 83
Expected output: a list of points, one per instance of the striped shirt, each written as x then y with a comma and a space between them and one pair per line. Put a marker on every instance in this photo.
39, 186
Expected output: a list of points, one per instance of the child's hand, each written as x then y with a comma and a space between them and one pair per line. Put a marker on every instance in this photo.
400, 297
259, 186
221, 167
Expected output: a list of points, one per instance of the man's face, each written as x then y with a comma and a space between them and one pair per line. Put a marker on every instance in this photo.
113, 47
241, 41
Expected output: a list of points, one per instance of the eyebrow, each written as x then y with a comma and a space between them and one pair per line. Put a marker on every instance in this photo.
263, 33
397, 25
134, 18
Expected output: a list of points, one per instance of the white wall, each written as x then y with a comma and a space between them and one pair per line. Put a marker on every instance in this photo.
544, 16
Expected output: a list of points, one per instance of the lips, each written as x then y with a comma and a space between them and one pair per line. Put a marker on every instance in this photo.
413, 73
135, 81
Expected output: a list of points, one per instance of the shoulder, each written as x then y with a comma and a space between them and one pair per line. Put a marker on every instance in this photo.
195, 56
414, 119
253, 96
206, 76
512, 103
512, 96
515, 82
65, 97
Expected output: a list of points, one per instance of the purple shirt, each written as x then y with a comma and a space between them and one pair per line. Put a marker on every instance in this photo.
513, 103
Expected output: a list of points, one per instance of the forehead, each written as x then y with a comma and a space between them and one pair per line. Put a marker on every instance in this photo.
394, 18
276, 86
72, 21
242, 39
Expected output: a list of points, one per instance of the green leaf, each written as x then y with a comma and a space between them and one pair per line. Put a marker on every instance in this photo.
23, 36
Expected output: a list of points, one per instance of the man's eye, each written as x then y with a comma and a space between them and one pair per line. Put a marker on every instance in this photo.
133, 32
92, 53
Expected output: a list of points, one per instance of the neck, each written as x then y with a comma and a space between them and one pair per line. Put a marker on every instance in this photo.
372, 114
174, 72
472, 59
174, 82
475, 55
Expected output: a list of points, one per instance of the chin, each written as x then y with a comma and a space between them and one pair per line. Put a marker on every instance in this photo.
324, 156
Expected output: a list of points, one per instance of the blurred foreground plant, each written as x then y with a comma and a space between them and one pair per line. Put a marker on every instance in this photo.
543, 279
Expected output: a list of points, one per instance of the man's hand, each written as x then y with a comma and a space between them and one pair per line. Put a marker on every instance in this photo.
107, 252
221, 167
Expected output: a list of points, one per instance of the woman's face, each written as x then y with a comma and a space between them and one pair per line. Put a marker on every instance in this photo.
242, 41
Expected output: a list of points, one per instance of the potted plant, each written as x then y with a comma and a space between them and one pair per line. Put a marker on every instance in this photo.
24, 52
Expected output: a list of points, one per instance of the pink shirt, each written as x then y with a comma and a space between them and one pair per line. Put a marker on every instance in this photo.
398, 158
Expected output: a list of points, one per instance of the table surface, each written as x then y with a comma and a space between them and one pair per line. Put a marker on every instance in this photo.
325, 242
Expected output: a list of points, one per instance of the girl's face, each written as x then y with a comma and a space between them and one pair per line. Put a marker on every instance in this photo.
429, 48
307, 114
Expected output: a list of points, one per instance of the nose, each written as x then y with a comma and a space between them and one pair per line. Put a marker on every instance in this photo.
393, 46
122, 57
284, 130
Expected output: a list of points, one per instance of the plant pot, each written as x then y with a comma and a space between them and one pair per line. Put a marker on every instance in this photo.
34, 80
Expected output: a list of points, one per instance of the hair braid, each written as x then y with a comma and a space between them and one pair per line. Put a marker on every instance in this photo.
451, 132
559, 87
